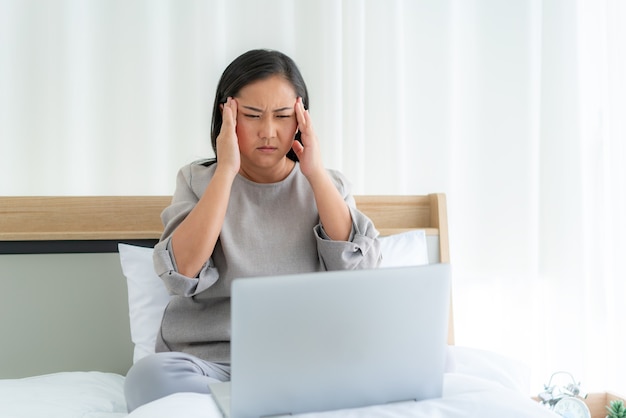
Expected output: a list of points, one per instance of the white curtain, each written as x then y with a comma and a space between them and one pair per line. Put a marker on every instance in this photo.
514, 109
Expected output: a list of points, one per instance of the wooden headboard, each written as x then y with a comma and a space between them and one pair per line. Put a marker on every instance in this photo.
47, 226
139, 217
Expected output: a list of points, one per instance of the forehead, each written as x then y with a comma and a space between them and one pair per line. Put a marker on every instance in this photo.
268, 91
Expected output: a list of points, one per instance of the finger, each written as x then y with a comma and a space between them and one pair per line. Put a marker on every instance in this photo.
224, 105
297, 148
233, 109
305, 120
299, 108
229, 114
307, 117
227, 120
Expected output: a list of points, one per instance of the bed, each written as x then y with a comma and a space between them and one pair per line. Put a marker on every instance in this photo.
81, 303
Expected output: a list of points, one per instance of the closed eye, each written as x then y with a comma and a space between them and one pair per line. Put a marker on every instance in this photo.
251, 116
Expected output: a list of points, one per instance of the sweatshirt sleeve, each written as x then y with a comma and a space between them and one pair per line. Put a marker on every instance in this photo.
183, 202
362, 250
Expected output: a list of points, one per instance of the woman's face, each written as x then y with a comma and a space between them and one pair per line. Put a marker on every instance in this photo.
266, 124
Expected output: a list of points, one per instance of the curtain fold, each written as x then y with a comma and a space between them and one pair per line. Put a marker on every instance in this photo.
602, 107
515, 110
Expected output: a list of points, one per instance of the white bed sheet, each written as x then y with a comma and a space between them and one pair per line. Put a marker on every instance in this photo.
482, 384
64, 395
464, 396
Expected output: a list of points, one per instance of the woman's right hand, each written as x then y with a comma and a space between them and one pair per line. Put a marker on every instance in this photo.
193, 241
227, 143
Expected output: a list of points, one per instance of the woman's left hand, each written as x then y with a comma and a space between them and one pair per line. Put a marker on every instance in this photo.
333, 210
308, 152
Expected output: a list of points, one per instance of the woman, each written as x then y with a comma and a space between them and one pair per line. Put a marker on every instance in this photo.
265, 206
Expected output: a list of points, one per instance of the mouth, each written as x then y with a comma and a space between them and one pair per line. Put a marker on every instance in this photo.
266, 148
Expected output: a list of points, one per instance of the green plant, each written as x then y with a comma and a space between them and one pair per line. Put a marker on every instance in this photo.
616, 409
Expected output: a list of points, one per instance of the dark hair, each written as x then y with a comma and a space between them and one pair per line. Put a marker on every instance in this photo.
254, 65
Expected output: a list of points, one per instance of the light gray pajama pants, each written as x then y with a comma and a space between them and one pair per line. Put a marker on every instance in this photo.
162, 374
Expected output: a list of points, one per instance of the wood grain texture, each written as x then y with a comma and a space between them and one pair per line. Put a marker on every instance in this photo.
138, 217
81, 218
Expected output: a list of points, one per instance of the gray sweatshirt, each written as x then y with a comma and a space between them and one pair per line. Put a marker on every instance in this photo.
269, 229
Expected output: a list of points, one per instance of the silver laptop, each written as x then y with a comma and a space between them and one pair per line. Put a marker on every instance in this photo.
331, 340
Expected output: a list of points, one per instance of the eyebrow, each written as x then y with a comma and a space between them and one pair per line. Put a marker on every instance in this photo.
254, 109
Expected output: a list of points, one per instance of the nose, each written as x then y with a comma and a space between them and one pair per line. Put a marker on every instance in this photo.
267, 127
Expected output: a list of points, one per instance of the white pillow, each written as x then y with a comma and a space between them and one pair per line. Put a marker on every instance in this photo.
147, 297
404, 249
